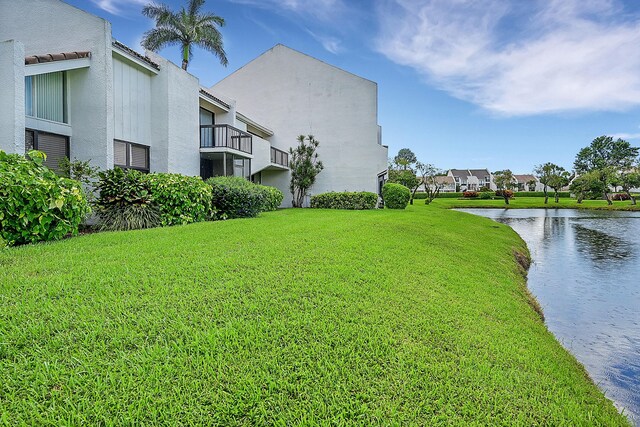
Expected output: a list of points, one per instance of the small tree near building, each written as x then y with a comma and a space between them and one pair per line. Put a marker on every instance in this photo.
305, 167
506, 182
586, 185
546, 174
628, 179
432, 185
558, 180
608, 158
402, 171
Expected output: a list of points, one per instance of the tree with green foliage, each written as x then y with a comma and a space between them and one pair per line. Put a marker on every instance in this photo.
559, 179
81, 171
305, 167
188, 27
586, 185
405, 159
506, 182
628, 179
548, 173
608, 158
402, 171
432, 185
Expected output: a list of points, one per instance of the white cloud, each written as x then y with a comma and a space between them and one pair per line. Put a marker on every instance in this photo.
516, 58
329, 43
324, 10
115, 7
626, 136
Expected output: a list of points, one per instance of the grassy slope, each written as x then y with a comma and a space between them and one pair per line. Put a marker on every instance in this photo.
299, 316
532, 202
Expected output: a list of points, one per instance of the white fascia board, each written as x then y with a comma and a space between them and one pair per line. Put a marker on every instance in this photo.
137, 61
246, 120
55, 66
212, 101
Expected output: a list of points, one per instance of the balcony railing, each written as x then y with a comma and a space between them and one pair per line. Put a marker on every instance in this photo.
279, 157
213, 136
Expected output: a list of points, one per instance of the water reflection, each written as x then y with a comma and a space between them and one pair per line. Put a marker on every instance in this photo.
585, 271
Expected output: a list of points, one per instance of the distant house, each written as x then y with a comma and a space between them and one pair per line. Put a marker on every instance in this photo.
446, 182
472, 179
528, 183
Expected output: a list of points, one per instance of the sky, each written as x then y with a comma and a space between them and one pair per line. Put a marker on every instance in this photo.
491, 84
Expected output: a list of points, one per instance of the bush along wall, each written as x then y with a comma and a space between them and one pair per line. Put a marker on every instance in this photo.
35, 203
180, 199
358, 200
273, 198
125, 201
395, 196
235, 197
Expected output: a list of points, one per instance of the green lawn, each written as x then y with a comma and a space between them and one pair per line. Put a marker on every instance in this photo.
416, 317
531, 202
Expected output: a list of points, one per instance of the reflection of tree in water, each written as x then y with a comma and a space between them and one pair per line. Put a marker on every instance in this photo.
554, 226
600, 246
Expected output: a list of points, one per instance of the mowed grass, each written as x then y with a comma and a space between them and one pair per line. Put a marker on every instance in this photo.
299, 317
533, 202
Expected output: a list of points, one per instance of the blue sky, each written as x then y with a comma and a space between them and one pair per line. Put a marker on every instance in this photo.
463, 83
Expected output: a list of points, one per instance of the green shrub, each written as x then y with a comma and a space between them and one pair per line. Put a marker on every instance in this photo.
485, 195
357, 200
273, 198
395, 196
125, 201
420, 195
35, 203
181, 199
235, 197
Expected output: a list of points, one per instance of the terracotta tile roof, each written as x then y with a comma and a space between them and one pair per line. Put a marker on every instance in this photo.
132, 52
214, 98
51, 57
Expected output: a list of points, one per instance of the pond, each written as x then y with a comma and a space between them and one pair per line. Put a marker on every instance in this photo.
586, 275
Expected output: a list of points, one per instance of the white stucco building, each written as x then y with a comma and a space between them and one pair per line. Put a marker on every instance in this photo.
68, 88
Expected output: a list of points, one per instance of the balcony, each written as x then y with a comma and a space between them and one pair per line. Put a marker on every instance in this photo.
225, 136
279, 157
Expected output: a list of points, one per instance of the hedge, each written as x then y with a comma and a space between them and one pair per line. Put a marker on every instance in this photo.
235, 197
181, 199
35, 203
358, 200
541, 193
395, 196
273, 198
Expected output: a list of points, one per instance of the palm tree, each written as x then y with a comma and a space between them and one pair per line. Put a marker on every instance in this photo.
187, 27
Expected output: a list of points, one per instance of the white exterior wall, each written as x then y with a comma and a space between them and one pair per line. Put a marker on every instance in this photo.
294, 94
12, 118
51, 26
175, 120
131, 102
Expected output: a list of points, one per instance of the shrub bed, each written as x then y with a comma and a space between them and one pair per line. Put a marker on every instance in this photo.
273, 198
485, 195
620, 197
395, 196
35, 203
358, 200
470, 194
235, 197
125, 201
180, 199
501, 193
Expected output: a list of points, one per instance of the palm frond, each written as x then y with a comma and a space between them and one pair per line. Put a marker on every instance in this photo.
210, 39
157, 38
194, 6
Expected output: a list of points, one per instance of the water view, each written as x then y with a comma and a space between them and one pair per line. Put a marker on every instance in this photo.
586, 275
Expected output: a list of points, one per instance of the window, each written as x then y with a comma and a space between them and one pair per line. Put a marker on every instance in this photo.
56, 147
128, 155
45, 96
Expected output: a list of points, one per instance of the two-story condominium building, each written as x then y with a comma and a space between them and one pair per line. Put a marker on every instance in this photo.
472, 179
70, 89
